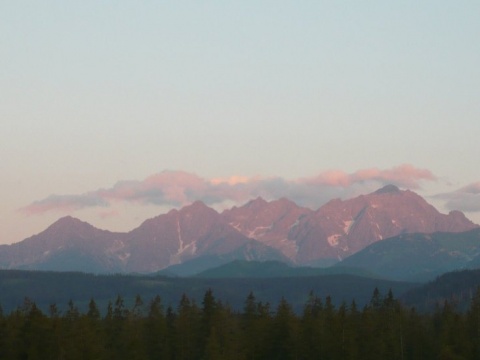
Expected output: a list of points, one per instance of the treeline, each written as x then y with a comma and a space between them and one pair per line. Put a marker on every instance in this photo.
383, 329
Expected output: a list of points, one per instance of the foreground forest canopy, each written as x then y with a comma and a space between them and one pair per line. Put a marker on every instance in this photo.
383, 329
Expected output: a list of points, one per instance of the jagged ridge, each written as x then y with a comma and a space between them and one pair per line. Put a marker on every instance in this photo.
258, 230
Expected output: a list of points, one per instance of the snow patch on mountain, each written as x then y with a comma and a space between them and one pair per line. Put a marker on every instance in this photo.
116, 247
236, 226
347, 226
180, 240
333, 239
258, 231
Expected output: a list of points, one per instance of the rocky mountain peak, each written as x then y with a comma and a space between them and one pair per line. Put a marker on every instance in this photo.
285, 202
388, 189
195, 207
198, 215
259, 202
69, 225
67, 221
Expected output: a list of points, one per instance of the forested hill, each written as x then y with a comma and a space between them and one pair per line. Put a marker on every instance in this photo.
457, 288
47, 288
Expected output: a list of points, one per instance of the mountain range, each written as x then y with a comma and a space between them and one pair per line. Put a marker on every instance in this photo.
197, 237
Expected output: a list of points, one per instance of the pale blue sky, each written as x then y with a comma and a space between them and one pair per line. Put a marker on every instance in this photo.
92, 93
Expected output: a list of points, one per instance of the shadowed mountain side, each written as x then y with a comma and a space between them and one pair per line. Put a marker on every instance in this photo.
418, 257
274, 269
253, 252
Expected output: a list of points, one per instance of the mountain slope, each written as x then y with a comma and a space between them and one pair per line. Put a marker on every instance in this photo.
268, 222
341, 228
194, 231
66, 244
418, 256
273, 269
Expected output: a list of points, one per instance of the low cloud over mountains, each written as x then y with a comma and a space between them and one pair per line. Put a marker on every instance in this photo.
178, 188
466, 198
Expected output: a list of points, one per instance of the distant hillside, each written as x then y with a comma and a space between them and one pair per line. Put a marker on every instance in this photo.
47, 288
456, 287
204, 263
418, 257
272, 269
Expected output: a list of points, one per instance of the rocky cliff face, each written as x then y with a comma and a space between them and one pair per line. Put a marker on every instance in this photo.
341, 228
179, 236
268, 222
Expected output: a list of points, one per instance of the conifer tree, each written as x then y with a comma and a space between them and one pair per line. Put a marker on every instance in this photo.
3, 335
283, 333
249, 328
188, 330
473, 323
156, 331
93, 312
312, 327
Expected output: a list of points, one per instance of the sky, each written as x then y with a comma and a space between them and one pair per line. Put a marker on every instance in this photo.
117, 111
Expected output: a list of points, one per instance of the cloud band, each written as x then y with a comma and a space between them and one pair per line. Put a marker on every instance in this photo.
177, 188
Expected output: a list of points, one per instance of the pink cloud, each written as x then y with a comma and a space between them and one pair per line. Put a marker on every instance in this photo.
405, 175
177, 188
331, 178
108, 214
234, 180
